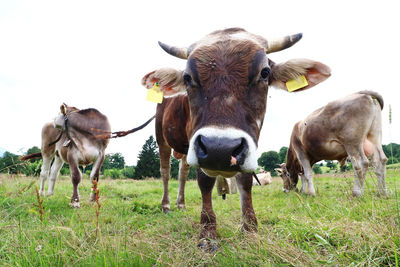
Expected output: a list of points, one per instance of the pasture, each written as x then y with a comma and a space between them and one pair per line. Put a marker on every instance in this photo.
332, 228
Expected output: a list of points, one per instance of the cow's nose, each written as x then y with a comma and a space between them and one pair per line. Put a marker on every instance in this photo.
222, 154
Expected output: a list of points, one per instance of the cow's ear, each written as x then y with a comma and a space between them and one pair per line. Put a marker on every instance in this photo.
170, 81
63, 109
313, 71
279, 170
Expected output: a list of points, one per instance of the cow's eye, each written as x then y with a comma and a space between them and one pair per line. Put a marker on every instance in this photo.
187, 79
265, 73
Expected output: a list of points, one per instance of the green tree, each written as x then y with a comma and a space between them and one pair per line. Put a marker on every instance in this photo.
269, 160
331, 165
282, 154
175, 170
392, 152
148, 164
10, 163
113, 161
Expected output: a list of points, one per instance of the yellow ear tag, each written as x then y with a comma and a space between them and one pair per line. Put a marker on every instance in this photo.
155, 94
296, 84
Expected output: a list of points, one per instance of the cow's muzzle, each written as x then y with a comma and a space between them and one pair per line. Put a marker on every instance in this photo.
222, 151
222, 154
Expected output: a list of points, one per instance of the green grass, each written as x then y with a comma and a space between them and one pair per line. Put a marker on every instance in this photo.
332, 228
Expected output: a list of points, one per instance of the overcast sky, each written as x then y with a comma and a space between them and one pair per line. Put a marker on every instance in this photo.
94, 54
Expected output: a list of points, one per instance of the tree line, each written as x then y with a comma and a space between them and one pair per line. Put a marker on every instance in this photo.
148, 164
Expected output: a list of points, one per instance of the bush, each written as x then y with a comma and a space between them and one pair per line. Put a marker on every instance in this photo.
65, 170
33, 169
317, 169
268, 161
113, 173
128, 172
392, 160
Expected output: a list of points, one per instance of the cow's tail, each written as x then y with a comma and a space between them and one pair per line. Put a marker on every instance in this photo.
374, 95
31, 156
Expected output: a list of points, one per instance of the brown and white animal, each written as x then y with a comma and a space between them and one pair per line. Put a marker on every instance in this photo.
348, 127
79, 136
172, 129
264, 178
219, 107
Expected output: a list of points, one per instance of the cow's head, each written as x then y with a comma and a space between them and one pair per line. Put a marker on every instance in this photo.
226, 79
289, 181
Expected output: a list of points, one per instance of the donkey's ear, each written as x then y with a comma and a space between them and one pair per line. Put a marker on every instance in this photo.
63, 109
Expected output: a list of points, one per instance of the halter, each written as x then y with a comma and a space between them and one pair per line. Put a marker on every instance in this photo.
65, 128
104, 135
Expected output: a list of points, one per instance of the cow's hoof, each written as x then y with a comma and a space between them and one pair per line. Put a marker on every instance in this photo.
384, 194
42, 193
249, 227
357, 193
92, 197
49, 194
182, 207
165, 209
75, 204
208, 245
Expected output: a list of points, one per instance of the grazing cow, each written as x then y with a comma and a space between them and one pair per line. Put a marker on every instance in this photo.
73, 138
219, 108
264, 177
347, 127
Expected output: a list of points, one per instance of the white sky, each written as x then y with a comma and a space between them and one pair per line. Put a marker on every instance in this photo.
94, 54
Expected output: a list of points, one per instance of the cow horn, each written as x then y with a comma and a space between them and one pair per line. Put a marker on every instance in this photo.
175, 51
282, 43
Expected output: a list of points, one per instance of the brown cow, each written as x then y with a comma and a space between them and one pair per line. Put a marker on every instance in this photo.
219, 111
72, 138
347, 127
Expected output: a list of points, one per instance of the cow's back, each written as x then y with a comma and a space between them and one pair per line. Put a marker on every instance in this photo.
325, 132
173, 123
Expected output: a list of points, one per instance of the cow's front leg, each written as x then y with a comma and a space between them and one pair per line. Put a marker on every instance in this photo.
183, 174
165, 166
244, 183
207, 219
303, 184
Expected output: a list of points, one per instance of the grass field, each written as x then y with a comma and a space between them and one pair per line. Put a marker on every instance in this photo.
332, 228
